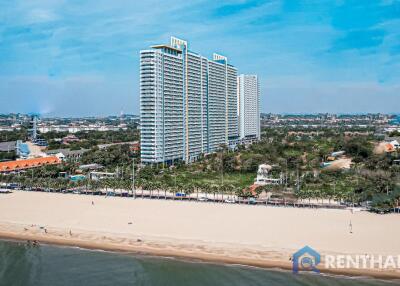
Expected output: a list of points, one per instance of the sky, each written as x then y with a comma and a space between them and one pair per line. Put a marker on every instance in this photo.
81, 58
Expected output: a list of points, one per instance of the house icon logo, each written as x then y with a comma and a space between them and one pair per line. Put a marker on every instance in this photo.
306, 259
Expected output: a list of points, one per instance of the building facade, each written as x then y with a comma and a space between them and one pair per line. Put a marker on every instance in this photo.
188, 103
248, 106
21, 165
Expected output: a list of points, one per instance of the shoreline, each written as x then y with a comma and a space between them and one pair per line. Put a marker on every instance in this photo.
197, 256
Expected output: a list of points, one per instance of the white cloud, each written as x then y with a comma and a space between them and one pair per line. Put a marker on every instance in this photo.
41, 16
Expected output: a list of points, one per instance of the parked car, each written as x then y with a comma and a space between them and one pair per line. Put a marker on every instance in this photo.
252, 201
13, 186
203, 199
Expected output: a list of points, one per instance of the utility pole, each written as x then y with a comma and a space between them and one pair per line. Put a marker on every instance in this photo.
133, 178
286, 176
222, 167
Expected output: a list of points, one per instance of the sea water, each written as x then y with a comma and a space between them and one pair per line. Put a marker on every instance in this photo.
25, 265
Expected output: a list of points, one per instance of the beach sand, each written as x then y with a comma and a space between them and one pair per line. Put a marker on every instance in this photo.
262, 236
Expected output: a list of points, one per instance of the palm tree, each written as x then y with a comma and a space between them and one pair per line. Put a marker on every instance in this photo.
94, 185
143, 186
85, 183
108, 184
150, 187
104, 185
189, 188
222, 188
157, 187
166, 188
239, 193
197, 186
205, 188
214, 189
126, 185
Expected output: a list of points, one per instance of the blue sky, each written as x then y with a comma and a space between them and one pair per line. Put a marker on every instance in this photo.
74, 57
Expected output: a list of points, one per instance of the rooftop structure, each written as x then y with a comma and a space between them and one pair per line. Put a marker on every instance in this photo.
67, 154
101, 175
69, 139
22, 149
19, 165
8, 146
132, 144
74, 128
91, 167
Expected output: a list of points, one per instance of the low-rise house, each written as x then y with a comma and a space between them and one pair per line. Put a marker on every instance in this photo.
395, 144
95, 176
8, 146
69, 139
133, 145
67, 154
391, 145
264, 177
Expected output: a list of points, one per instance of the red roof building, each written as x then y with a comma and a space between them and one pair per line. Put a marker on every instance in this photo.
12, 166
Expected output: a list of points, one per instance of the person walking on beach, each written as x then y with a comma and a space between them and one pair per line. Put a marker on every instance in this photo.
92, 203
351, 227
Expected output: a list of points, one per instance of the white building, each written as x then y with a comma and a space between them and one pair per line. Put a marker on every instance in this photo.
248, 106
188, 104
264, 176
95, 176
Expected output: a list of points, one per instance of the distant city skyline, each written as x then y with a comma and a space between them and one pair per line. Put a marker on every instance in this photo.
82, 59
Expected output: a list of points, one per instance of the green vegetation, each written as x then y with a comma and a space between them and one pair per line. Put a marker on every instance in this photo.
373, 179
6, 156
395, 134
90, 139
111, 157
14, 135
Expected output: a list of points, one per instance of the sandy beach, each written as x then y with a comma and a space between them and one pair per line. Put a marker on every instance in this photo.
251, 235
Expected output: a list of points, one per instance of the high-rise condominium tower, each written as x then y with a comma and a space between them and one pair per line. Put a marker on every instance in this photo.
188, 104
248, 106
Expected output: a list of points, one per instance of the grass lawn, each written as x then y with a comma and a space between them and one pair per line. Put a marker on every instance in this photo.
213, 178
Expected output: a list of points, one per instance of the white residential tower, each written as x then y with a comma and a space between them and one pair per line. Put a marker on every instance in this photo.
188, 103
248, 106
